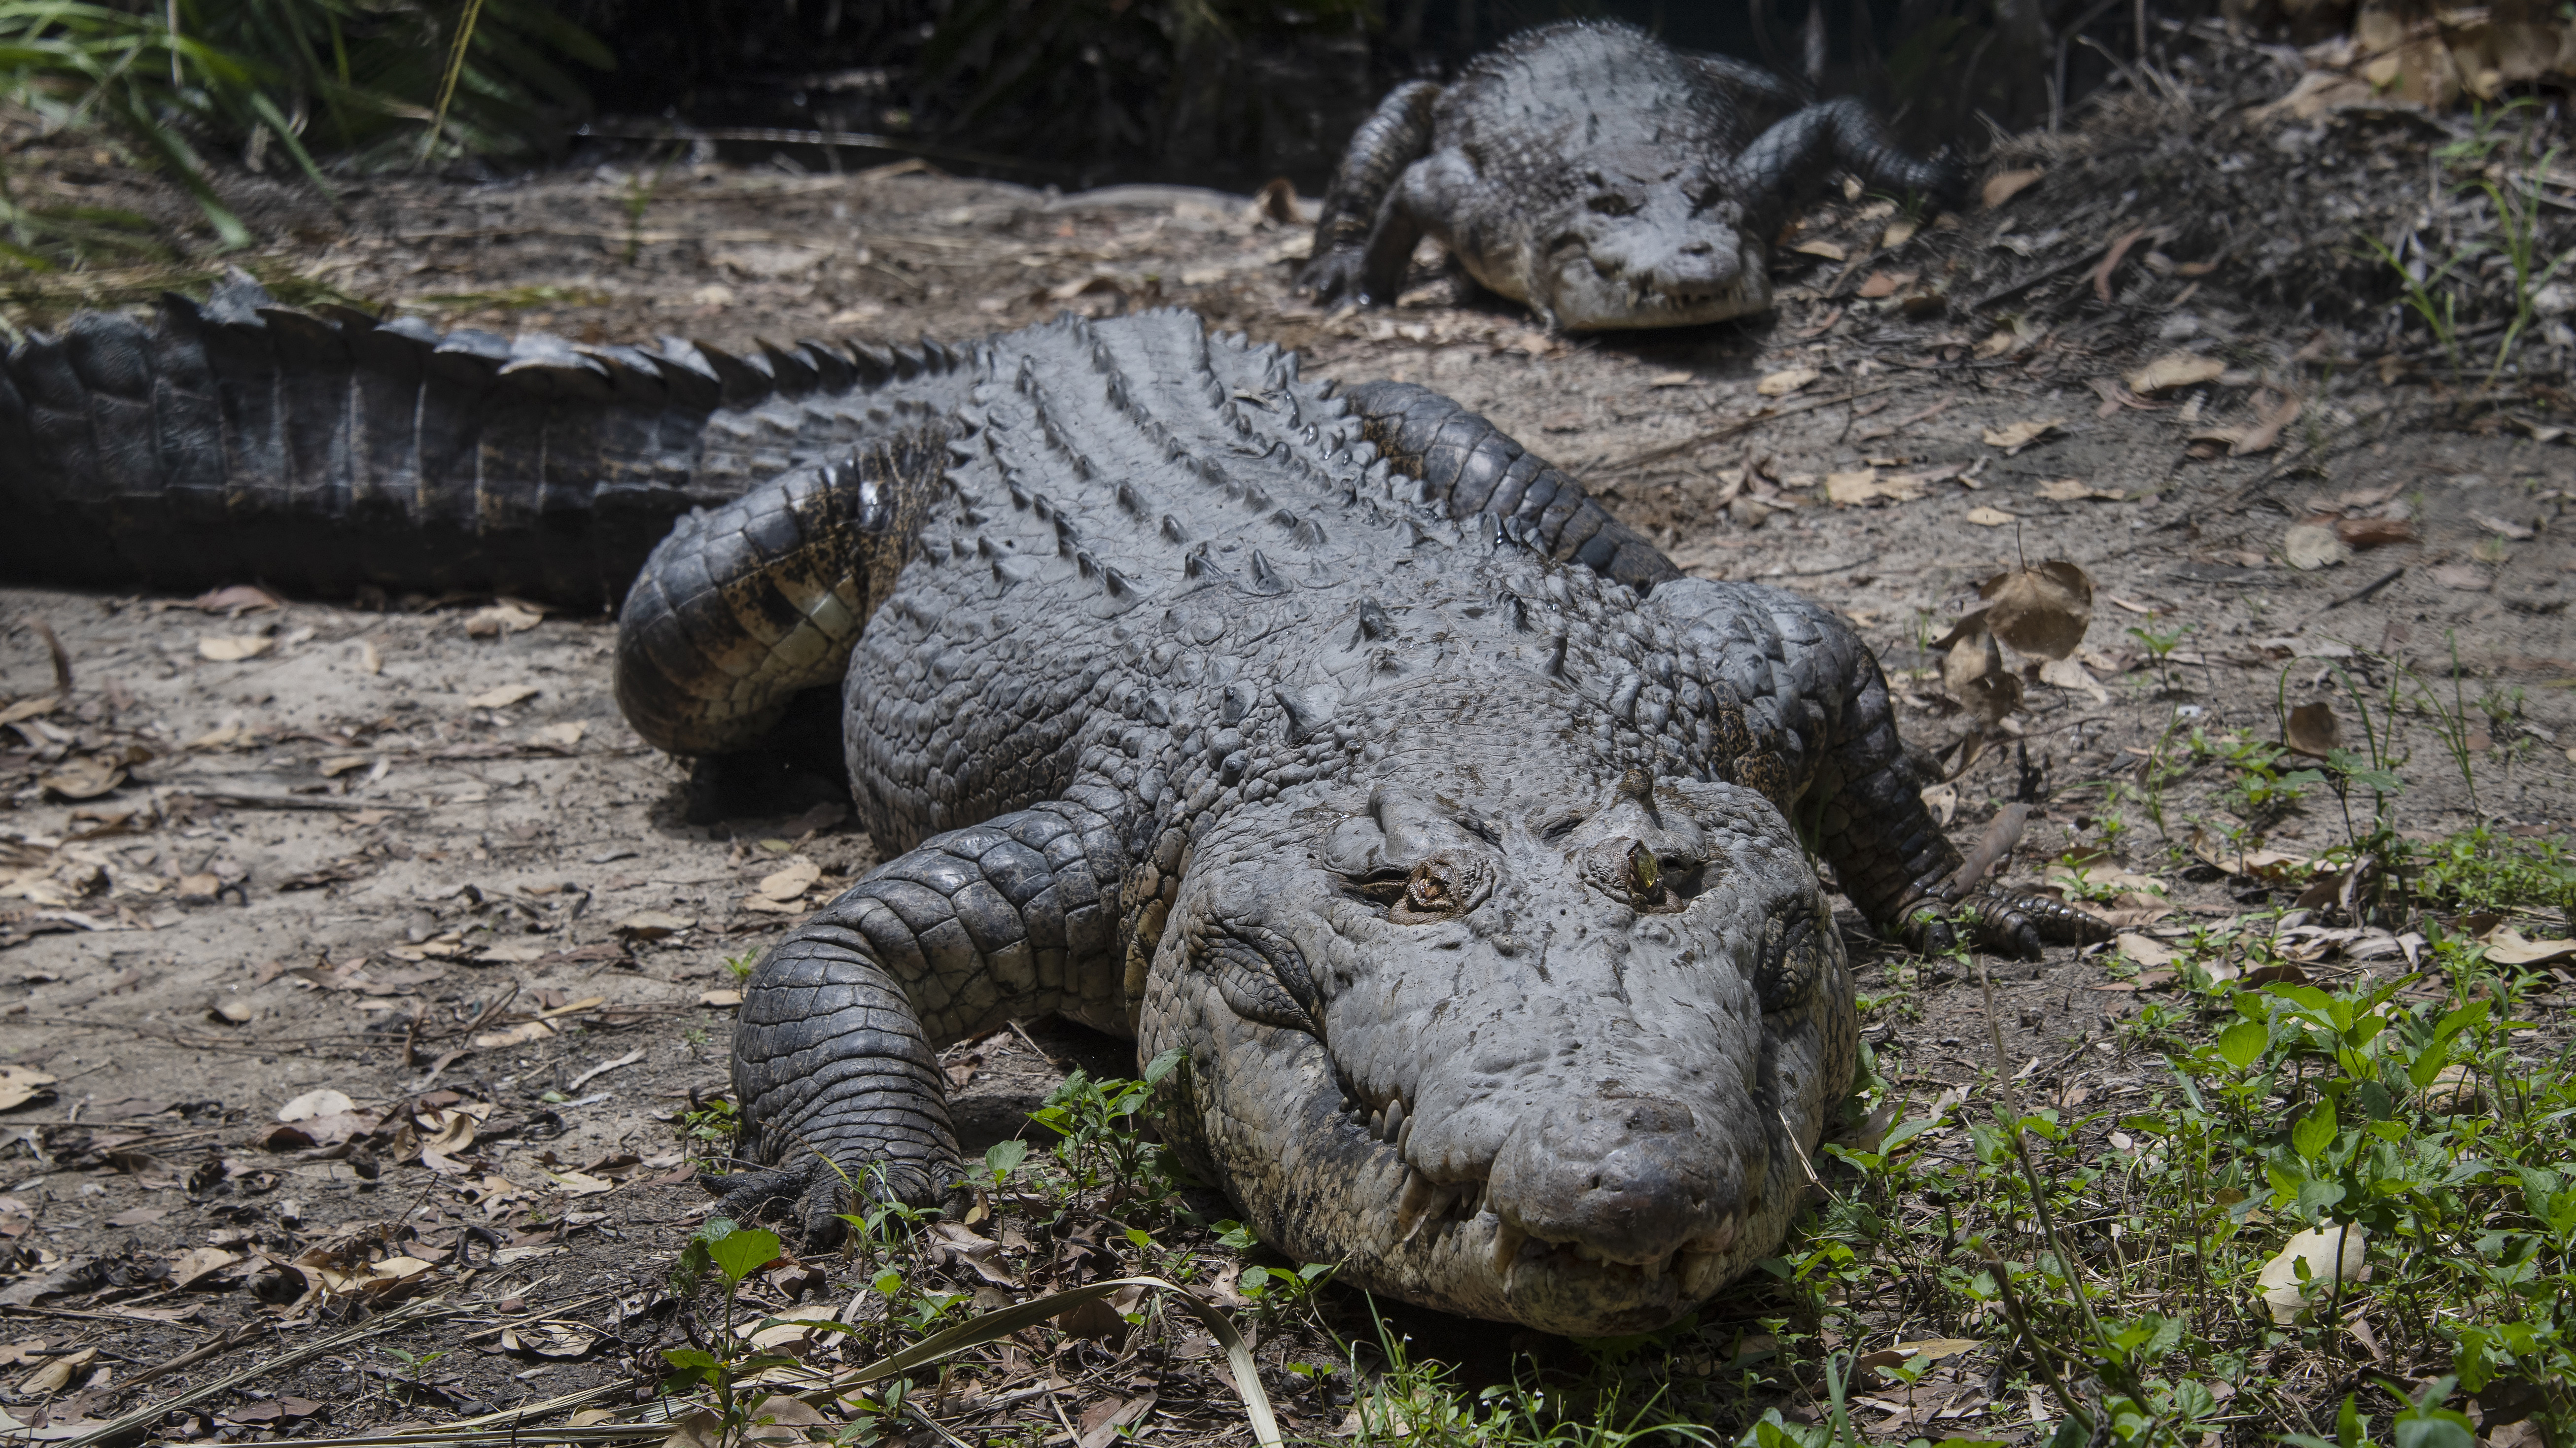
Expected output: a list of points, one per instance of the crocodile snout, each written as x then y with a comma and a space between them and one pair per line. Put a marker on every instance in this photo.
1624, 1178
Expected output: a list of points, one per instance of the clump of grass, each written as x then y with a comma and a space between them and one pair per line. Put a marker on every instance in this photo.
380, 81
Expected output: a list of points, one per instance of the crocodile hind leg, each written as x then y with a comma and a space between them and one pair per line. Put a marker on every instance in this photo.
748, 604
1365, 220
1842, 133
835, 1053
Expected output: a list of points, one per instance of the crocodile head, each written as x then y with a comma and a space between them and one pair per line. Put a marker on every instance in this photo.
1526, 1043
1647, 241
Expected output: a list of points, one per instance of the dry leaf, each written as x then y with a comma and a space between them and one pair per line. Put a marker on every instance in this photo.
230, 1010
2041, 611
1974, 672
312, 1104
1943, 801
1859, 489
20, 1085
653, 925
1989, 517
1825, 249
1781, 384
2175, 370
199, 1262
2076, 490
2264, 434
561, 736
2009, 184
2019, 435
1886, 284
791, 882
499, 619
582, 1184
553, 1340
55, 1376
502, 697
2374, 532
2069, 674
2332, 1252
518, 1035
2502, 528
2314, 730
369, 660
85, 777
2147, 953
721, 999
1897, 234
231, 650
2463, 577
2506, 946
1672, 379
2313, 545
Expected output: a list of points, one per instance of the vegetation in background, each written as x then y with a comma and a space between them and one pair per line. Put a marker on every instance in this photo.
378, 81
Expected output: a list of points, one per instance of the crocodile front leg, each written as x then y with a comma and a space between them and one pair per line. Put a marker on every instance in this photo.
835, 1053
1364, 214
1843, 133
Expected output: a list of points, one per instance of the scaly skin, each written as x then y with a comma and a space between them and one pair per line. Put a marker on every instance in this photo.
1334, 741
1462, 875
1597, 175
240, 440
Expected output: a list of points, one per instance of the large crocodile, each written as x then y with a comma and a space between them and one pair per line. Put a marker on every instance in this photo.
1460, 846
1596, 174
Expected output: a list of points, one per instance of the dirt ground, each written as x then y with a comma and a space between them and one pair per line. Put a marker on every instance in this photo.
407, 877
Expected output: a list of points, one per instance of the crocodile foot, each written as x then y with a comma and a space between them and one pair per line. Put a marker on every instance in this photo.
821, 1197
2005, 921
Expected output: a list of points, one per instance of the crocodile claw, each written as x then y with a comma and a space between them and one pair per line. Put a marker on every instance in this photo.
2004, 921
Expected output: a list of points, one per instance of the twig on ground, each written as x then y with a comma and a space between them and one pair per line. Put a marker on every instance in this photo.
2367, 589
144, 1417
1700, 440
2000, 838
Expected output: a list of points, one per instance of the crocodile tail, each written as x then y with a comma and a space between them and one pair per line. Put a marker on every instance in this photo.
325, 452
1469, 466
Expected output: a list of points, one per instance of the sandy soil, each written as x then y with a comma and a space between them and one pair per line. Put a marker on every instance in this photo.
419, 864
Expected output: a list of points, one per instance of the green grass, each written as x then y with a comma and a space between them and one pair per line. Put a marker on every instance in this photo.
377, 81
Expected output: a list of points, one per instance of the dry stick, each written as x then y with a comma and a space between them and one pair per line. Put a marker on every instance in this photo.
144, 1417
2367, 589
62, 660
236, 1338
2038, 1192
1700, 440
2000, 838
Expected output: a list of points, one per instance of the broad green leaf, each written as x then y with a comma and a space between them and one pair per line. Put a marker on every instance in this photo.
1004, 1157
739, 1254
2242, 1043
2315, 1131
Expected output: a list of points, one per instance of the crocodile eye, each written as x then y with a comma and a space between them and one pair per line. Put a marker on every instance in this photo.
1645, 877
1627, 870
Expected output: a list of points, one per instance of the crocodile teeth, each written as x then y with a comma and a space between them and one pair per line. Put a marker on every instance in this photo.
1395, 1120
1421, 1203
1508, 1238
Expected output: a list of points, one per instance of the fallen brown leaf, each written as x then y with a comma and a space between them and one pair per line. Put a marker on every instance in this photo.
2041, 611
2314, 730
2016, 436
2310, 546
2006, 185
2175, 370
1781, 384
